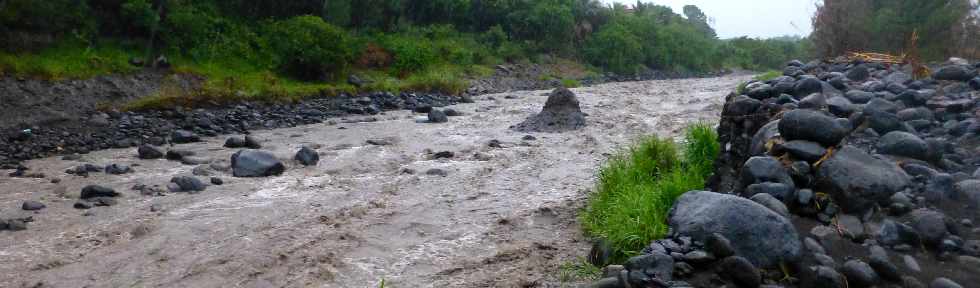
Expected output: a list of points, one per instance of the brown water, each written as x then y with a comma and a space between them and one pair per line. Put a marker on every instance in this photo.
503, 217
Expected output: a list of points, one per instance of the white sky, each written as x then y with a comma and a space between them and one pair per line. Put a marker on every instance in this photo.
753, 18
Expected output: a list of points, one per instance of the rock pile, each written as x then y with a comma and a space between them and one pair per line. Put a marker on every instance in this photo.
877, 170
560, 113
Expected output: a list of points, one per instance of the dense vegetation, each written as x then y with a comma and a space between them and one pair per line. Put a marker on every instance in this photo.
637, 188
945, 27
262, 48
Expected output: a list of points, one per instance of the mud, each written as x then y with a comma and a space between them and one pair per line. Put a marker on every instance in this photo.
503, 216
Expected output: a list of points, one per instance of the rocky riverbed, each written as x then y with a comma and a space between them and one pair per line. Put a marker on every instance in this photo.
836, 174
343, 202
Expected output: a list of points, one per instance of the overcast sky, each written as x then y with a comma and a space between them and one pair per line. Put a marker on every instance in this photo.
754, 18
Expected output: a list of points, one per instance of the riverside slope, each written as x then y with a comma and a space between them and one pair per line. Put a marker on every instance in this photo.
502, 216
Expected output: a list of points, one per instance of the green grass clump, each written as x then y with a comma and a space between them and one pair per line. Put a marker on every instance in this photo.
570, 83
769, 75
69, 61
637, 188
579, 270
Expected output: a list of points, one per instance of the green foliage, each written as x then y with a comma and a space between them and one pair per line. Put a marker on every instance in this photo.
140, 13
69, 60
616, 48
578, 271
410, 54
309, 48
570, 83
637, 188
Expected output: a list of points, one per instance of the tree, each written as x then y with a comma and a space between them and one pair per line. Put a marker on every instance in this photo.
840, 26
699, 20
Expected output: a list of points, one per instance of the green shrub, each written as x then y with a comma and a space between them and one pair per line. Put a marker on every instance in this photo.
570, 83
410, 54
615, 48
637, 188
310, 49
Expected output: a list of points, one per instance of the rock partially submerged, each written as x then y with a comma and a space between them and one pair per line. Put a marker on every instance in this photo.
561, 113
255, 163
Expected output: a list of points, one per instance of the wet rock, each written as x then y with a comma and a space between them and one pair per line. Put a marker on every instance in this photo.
82, 205
884, 122
178, 155
102, 201
780, 191
903, 144
92, 191
560, 113
761, 137
955, 73
859, 274
805, 150
255, 163
813, 126
184, 136
763, 169
944, 283
759, 90
188, 184
911, 263
859, 97
743, 105
452, 112
826, 277
202, 170
772, 203
719, 246
436, 172
698, 257
741, 271
930, 225
893, 233
807, 86
644, 269
857, 181
194, 160
437, 116
307, 156
968, 190
146, 151
117, 169
858, 73
217, 181
852, 227
765, 237
813, 246
235, 142
840, 106
32, 206
885, 269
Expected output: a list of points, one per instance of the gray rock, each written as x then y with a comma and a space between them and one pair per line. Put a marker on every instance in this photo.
840, 106
858, 73
813, 101
32, 206
857, 181
911, 263
825, 260
235, 142
884, 122
117, 169
893, 233
188, 184
859, 274
807, 86
885, 269
146, 151
178, 155
826, 277
805, 150
852, 227
765, 237
772, 203
903, 144
698, 257
184, 136
719, 246
763, 169
944, 283
92, 191
759, 90
859, 97
763, 136
897, 77
252, 142
608, 282
644, 268
783, 192
437, 116
955, 73
813, 126
255, 163
561, 113
202, 170
880, 105
217, 181
939, 187
741, 271
742, 105
968, 190
436, 172
930, 225
307, 156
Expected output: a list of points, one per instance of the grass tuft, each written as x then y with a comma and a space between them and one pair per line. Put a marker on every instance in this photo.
637, 188
579, 270
570, 83
69, 61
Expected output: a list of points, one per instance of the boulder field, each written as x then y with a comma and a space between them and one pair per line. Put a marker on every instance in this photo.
837, 174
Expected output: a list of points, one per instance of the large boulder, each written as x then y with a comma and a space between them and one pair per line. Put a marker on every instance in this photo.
146, 151
812, 125
560, 113
807, 86
255, 163
765, 238
903, 144
955, 73
857, 180
858, 73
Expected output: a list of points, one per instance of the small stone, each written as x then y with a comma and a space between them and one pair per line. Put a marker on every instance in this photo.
698, 257
92, 191
184, 136
437, 172
741, 271
885, 269
437, 116
852, 226
443, 154
32, 206
188, 184
826, 277
149, 152
911, 263
718, 245
944, 283
82, 205
217, 181
859, 274
307, 156
813, 246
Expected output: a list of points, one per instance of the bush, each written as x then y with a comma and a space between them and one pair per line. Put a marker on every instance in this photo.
636, 189
411, 55
615, 48
310, 49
